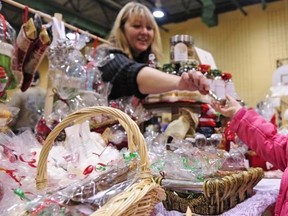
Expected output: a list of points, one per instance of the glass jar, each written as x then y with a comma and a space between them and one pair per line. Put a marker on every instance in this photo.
181, 48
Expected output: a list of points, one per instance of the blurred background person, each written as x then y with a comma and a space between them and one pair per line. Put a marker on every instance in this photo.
31, 105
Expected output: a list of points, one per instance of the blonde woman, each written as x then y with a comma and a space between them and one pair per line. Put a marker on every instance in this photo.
134, 36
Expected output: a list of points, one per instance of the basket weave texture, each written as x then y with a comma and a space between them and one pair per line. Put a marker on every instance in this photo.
141, 197
219, 194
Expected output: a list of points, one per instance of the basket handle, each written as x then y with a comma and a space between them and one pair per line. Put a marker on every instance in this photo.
135, 139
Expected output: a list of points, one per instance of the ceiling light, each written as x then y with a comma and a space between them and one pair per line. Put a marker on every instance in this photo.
158, 12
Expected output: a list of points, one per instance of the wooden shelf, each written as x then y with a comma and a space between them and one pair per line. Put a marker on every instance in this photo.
174, 106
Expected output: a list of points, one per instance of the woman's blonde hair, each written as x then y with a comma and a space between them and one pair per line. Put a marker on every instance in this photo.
134, 10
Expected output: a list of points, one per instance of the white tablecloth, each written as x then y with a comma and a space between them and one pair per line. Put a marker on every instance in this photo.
266, 192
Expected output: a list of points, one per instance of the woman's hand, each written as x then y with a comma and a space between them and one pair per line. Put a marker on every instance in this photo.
229, 109
194, 80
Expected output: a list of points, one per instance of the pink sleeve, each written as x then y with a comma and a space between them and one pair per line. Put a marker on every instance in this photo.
261, 136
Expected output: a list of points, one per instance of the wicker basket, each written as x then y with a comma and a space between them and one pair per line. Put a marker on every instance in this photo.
141, 197
214, 196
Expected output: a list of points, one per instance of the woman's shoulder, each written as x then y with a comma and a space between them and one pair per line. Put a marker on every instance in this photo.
105, 50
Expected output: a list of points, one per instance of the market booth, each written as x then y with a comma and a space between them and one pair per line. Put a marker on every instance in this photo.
90, 156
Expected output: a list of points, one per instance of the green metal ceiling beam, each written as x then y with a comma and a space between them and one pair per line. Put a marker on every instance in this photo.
237, 4
264, 5
70, 17
209, 17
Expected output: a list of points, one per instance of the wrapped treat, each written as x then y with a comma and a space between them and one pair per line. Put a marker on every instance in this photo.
103, 196
94, 75
3, 79
235, 161
187, 66
194, 167
66, 69
169, 68
7, 37
65, 202
105, 181
5, 116
115, 135
8, 114
133, 107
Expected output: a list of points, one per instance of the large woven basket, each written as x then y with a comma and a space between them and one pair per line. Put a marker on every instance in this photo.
141, 197
214, 196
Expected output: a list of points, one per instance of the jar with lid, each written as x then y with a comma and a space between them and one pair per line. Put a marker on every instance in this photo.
181, 48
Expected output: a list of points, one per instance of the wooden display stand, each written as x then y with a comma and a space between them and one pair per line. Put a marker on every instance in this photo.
173, 107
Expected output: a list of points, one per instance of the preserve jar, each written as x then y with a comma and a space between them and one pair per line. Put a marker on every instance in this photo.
181, 48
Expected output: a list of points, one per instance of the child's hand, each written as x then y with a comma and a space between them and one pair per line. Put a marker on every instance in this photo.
229, 109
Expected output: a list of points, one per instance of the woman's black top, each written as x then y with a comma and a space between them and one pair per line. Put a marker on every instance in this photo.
122, 73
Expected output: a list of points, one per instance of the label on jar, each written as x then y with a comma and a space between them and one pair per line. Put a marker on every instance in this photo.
180, 52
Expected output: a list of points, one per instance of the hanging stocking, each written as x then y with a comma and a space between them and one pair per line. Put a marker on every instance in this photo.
34, 59
23, 46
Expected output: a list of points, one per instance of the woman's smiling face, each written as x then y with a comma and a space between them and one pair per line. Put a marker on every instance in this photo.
139, 34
